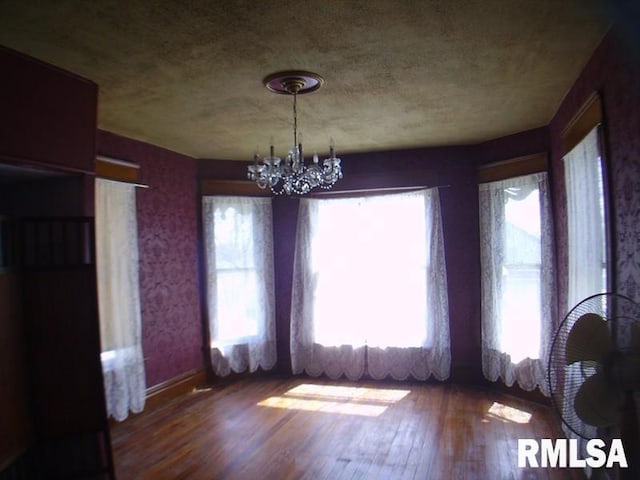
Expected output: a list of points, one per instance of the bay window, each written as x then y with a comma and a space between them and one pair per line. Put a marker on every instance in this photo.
369, 290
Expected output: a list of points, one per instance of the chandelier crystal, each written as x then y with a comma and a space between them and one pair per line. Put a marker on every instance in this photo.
292, 175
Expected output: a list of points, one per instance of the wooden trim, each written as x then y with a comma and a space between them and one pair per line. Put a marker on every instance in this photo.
367, 192
513, 167
589, 115
117, 170
174, 387
43, 165
232, 187
117, 161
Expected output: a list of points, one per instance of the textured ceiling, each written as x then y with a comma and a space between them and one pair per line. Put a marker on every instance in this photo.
187, 75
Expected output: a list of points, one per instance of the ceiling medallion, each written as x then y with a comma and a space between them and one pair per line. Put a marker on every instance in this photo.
292, 175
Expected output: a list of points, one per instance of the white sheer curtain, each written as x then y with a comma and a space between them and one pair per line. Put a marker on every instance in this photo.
369, 288
119, 297
585, 221
586, 239
240, 283
517, 282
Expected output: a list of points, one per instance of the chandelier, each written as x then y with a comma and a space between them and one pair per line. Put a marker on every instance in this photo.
292, 175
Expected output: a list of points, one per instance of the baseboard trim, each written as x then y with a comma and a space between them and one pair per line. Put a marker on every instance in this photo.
174, 387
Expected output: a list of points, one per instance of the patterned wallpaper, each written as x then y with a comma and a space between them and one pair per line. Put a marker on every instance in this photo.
168, 242
612, 72
622, 101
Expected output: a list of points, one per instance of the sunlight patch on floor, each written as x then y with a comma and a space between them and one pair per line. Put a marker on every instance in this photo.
508, 414
364, 401
336, 392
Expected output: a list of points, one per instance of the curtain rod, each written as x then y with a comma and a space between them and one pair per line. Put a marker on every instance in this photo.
373, 191
135, 184
117, 161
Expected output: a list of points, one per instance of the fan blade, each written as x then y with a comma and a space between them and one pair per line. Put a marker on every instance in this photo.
589, 339
596, 403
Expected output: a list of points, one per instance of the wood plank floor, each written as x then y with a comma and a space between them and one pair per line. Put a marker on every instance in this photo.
301, 428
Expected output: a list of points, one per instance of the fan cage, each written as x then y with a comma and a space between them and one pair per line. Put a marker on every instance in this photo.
565, 380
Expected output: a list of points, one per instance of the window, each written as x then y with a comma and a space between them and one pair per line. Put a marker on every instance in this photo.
586, 231
521, 274
516, 260
240, 288
370, 272
370, 265
119, 297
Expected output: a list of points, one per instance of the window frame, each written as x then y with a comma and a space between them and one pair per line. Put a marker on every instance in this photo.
210, 341
513, 266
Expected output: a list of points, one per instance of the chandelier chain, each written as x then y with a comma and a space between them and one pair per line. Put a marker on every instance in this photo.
295, 118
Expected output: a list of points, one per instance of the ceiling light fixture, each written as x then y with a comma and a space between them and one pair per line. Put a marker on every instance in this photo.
293, 176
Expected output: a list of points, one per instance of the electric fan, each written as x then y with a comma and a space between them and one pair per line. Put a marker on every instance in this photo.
594, 363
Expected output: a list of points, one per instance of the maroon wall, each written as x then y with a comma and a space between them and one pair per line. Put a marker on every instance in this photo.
48, 115
168, 243
613, 71
513, 146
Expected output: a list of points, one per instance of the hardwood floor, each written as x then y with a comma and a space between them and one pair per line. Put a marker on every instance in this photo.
277, 428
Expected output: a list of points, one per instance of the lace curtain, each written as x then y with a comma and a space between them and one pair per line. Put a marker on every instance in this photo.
119, 298
369, 288
586, 240
517, 283
585, 221
240, 283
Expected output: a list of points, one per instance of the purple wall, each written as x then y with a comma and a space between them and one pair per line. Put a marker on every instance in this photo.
614, 73
513, 146
168, 242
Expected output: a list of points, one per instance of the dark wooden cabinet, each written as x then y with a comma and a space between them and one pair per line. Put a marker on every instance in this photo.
47, 115
59, 426
16, 426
